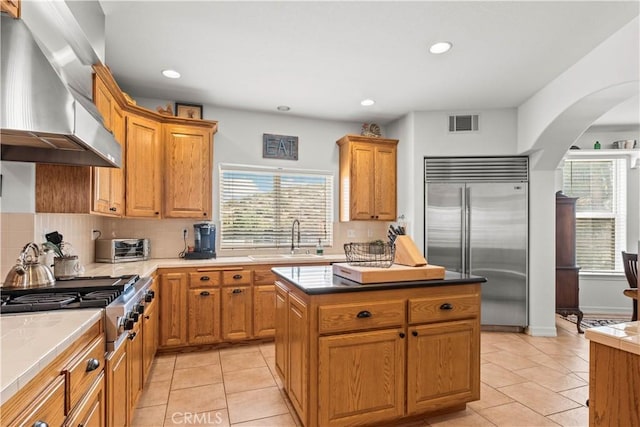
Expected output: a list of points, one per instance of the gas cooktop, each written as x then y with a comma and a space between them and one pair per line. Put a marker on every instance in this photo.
81, 292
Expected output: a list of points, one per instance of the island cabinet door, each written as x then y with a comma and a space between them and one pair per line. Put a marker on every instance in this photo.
281, 333
361, 377
443, 365
298, 356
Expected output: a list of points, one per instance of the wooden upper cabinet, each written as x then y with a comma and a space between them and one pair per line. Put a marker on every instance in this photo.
367, 178
12, 7
108, 183
143, 163
187, 171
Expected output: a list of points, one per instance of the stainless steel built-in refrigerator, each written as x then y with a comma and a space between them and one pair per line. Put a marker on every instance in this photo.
476, 222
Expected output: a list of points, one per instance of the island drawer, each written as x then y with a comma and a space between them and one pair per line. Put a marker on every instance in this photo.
84, 369
444, 307
359, 316
205, 279
236, 277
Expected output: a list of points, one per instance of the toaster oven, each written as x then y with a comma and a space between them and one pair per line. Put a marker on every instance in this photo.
122, 250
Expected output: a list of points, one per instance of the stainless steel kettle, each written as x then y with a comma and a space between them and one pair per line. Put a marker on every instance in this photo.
28, 272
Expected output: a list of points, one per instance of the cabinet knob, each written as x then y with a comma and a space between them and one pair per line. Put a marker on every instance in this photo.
132, 335
363, 314
92, 364
205, 278
237, 291
414, 333
40, 424
147, 317
205, 293
446, 306
112, 209
204, 214
401, 335
156, 213
237, 276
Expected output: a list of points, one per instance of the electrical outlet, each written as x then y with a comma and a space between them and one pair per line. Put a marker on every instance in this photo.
351, 233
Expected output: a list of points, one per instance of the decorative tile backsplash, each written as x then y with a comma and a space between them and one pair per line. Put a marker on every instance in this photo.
165, 235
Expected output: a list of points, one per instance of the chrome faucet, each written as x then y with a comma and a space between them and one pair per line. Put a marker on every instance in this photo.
293, 227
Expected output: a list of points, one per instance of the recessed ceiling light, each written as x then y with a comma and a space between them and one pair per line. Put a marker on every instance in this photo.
283, 108
171, 74
440, 47
367, 102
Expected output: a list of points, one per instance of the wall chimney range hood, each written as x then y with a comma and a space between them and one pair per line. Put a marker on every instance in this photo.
46, 112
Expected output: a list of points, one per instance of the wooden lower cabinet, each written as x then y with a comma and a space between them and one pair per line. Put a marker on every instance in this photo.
453, 348
117, 381
135, 365
90, 412
149, 337
204, 316
264, 311
48, 408
298, 349
237, 312
173, 309
282, 331
361, 377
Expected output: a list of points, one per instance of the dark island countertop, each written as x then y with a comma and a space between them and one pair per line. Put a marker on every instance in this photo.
315, 280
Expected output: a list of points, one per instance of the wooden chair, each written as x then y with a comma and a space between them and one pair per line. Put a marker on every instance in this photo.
630, 262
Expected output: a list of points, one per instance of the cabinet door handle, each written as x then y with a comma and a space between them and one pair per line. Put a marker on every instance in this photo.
204, 214
205, 278
446, 306
414, 333
112, 209
237, 276
401, 334
92, 364
363, 314
147, 317
237, 291
156, 213
40, 424
204, 293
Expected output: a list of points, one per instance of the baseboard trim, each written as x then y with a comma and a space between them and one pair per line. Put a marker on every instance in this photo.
541, 331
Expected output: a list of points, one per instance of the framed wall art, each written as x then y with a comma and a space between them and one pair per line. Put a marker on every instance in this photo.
279, 147
189, 111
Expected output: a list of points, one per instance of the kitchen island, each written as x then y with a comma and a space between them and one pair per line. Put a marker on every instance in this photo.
355, 354
614, 374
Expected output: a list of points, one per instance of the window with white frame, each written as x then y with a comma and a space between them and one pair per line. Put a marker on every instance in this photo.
601, 188
258, 206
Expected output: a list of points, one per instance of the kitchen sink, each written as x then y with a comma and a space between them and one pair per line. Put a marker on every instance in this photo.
278, 257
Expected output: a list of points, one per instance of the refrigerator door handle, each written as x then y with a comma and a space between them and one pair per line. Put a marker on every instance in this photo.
463, 227
467, 232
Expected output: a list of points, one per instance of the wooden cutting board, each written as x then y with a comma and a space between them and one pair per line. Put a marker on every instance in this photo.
395, 273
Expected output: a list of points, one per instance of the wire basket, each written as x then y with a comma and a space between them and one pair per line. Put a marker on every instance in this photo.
370, 254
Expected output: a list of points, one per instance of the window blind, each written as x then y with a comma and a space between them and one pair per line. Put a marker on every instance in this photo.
258, 206
600, 186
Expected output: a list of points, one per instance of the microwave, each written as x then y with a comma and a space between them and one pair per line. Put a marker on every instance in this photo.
122, 250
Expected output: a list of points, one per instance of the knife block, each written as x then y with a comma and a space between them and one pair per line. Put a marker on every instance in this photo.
407, 253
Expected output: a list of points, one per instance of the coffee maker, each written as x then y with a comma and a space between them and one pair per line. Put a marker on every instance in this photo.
204, 239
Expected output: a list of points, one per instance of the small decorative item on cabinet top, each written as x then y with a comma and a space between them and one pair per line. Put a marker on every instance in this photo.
189, 111
279, 147
168, 111
371, 129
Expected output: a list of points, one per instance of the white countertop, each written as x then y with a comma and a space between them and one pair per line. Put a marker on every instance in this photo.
623, 336
29, 342
146, 268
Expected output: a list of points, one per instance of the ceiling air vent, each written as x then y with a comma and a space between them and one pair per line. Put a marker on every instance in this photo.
468, 123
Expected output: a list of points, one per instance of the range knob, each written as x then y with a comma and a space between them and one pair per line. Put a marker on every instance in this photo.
134, 316
139, 308
128, 324
149, 296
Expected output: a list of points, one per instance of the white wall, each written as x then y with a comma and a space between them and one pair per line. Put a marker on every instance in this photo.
18, 187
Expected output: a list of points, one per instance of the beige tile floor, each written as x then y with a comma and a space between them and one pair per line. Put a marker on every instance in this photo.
526, 381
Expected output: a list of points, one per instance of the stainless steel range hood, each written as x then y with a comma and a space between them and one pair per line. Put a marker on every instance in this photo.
43, 118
